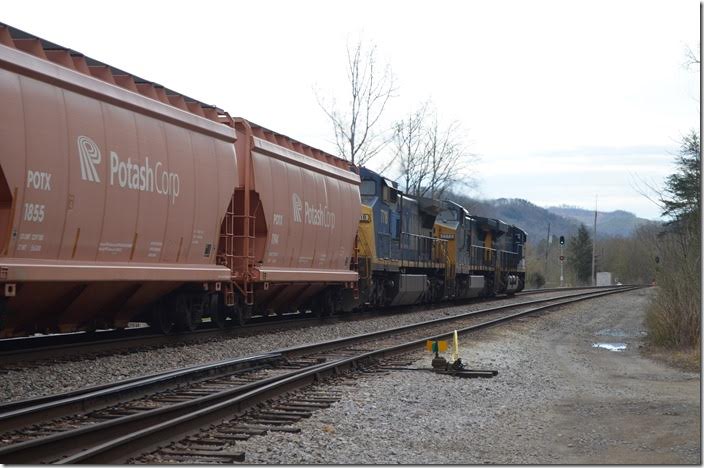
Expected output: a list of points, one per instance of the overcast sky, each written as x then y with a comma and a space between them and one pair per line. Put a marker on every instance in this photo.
561, 100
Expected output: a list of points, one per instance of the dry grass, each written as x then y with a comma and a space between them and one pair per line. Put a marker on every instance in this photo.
674, 316
689, 360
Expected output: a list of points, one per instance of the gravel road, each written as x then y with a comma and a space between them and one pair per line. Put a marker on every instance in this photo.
557, 399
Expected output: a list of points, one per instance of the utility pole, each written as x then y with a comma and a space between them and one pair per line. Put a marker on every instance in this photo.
596, 201
547, 249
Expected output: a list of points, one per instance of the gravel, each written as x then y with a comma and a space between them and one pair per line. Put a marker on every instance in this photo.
60, 377
556, 399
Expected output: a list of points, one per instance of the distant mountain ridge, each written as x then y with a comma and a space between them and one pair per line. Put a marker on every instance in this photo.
612, 223
564, 221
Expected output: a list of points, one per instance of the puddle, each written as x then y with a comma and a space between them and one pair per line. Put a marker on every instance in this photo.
618, 347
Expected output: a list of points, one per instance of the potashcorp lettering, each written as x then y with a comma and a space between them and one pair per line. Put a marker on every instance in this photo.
317, 216
145, 177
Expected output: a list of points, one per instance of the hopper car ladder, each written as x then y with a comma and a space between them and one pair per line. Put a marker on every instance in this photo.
239, 263
354, 265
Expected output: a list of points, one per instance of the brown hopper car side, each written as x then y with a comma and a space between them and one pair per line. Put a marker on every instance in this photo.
109, 199
304, 206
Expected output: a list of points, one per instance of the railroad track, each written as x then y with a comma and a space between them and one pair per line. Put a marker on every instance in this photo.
19, 353
27, 354
205, 410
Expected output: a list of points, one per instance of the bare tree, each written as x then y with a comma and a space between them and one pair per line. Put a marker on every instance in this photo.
447, 159
431, 158
692, 59
357, 135
409, 140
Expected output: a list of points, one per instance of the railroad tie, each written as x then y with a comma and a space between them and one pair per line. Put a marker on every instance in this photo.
294, 410
123, 411
197, 392
230, 456
196, 445
278, 416
240, 429
172, 399
224, 436
317, 400
270, 422
292, 430
303, 404
215, 387
265, 429
205, 442
305, 363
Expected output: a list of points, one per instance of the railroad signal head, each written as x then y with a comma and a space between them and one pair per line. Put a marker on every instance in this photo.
562, 258
562, 240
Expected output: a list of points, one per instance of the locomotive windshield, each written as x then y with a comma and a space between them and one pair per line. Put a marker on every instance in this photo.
368, 188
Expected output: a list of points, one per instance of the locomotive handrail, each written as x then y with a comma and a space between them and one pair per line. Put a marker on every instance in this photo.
485, 256
423, 249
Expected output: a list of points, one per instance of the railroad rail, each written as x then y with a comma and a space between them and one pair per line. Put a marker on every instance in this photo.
113, 425
15, 353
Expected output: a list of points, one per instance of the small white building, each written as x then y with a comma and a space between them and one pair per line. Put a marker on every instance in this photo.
603, 278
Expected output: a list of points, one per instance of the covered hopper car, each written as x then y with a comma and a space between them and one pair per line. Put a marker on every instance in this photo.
122, 200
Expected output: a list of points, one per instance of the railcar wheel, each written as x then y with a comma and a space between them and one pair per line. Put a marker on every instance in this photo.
317, 307
323, 305
187, 311
4, 314
240, 314
331, 304
161, 320
217, 311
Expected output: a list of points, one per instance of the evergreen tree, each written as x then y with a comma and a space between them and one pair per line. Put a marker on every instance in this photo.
580, 255
681, 200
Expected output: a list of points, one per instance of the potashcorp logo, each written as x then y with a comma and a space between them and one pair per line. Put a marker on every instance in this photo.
89, 154
128, 174
297, 207
319, 216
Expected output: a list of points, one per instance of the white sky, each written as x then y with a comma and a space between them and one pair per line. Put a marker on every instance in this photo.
562, 100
